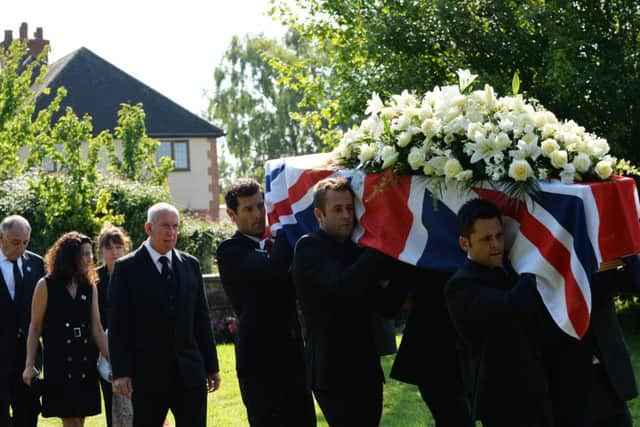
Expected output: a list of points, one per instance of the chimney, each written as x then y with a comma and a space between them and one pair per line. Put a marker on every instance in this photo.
8, 38
35, 46
23, 31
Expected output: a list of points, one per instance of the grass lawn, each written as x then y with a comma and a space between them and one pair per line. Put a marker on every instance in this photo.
403, 406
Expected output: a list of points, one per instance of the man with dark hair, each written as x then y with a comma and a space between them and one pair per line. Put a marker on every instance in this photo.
20, 270
495, 313
338, 286
269, 348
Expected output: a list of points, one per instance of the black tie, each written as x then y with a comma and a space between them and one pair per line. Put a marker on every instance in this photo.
166, 271
17, 276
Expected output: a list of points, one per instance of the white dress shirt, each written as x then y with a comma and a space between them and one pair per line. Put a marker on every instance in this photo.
155, 255
7, 272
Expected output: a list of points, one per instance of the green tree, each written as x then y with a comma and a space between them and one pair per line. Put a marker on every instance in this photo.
138, 159
255, 108
580, 59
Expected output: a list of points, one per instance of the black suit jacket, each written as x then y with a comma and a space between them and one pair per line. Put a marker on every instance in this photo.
103, 295
494, 312
143, 342
15, 316
569, 361
338, 286
428, 355
260, 289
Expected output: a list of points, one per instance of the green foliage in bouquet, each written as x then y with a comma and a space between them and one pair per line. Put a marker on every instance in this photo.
457, 134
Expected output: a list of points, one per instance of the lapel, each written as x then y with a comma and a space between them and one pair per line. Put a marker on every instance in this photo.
4, 290
183, 276
250, 242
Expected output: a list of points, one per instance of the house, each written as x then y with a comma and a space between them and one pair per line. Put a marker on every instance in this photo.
97, 88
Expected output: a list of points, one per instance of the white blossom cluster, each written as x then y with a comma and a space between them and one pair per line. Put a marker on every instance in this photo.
458, 134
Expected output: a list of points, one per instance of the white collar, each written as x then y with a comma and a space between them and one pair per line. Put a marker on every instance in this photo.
155, 255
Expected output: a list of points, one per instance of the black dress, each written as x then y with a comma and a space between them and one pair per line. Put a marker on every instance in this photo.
70, 378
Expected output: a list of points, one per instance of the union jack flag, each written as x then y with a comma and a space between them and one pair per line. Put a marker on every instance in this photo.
561, 235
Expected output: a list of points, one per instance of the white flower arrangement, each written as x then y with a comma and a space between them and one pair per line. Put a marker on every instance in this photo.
454, 133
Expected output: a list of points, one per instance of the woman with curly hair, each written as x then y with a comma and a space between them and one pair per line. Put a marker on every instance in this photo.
65, 313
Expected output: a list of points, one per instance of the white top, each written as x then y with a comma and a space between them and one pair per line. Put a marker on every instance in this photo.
155, 255
7, 272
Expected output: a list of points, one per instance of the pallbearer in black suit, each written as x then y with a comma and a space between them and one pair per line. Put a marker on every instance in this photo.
338, 284
160, 335
269, 349
428, 355
20, 271
495, 312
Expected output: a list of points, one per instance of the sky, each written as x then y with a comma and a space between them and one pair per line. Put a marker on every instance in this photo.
172, 46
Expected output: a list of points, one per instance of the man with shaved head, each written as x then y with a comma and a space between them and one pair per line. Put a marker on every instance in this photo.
160, 337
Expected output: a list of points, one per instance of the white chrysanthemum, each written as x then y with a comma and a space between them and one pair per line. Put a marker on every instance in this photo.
520, 170
430, 127
567, 175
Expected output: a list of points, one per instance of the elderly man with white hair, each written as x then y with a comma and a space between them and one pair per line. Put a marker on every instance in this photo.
161, 342
20, 270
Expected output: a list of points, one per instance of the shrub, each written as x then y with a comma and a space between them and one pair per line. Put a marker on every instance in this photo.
201, 239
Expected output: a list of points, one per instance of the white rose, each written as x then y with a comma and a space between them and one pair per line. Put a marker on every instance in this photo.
389, 156
529, 138
416, 158
452, 168
401, 123
430, 127
520, 170
558, 158
582, 162
549, 146
367, 152
604, 169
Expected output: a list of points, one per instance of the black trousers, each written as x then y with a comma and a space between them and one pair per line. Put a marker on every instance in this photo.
188, 405
606, 408
107, 396
277, 401
449, 408
352, 405
24, 404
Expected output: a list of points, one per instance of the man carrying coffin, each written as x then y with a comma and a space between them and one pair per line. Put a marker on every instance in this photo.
338, 286
496, 312
269, 349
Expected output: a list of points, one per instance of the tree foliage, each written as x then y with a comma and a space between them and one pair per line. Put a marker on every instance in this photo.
255, 108
55, 163
580, 59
